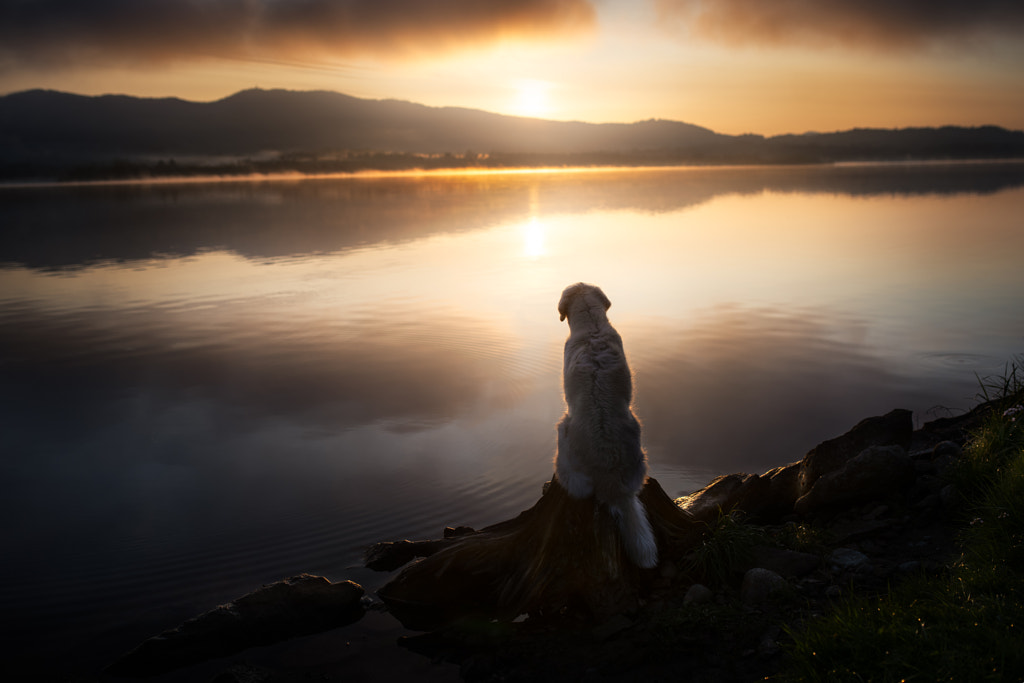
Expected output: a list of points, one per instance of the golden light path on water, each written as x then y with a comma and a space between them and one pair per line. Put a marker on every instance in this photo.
772, 248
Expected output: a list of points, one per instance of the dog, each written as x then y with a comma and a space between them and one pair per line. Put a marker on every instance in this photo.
599, 452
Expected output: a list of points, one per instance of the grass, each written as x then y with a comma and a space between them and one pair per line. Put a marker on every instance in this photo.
726, 551
966, 624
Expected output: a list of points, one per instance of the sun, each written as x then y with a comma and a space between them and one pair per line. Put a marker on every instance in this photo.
532, 97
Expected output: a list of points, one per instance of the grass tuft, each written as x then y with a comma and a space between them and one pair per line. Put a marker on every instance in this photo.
727, 550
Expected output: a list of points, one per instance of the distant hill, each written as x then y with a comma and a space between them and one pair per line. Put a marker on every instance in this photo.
45, 131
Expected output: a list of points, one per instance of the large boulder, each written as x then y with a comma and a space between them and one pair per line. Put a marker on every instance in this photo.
300, 605
894, 428
764, 497
874, 473
723, 495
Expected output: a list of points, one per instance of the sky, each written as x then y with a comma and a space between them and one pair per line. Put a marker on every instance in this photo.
735, 66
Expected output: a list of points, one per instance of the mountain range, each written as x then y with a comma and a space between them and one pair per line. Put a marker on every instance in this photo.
45, 131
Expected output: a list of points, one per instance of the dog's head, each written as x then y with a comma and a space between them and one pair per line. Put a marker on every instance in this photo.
591, 294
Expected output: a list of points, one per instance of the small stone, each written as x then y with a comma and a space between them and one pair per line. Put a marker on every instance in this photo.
698, 594
909, 567
759, 584
833, 592
848, 559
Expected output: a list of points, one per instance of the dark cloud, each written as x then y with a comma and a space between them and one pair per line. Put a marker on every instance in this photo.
58, 32
866, 23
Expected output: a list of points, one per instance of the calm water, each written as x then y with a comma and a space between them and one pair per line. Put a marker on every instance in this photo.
206, 387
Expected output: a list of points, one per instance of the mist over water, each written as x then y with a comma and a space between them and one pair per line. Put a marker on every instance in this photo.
207, 387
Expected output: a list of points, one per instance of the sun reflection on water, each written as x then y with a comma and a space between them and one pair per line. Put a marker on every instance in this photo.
533, 239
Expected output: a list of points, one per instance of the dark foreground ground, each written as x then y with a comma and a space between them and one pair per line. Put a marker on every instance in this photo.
726, 639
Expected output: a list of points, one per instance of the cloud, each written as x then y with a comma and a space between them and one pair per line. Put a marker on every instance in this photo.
857, 23
63, 32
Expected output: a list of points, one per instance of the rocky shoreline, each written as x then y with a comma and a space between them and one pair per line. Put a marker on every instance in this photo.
894, 519
857, 514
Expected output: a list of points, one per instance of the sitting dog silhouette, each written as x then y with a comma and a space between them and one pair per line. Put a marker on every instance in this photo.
599, 451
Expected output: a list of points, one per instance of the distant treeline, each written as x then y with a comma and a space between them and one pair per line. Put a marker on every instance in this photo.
122, 169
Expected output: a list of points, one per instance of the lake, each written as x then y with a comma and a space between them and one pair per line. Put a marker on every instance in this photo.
207, 386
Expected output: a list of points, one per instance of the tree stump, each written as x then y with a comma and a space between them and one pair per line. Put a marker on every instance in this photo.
561, 554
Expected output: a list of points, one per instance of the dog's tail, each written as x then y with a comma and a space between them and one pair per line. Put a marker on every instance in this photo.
637, 535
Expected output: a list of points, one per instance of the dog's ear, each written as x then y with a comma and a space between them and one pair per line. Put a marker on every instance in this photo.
567, 296
604, 299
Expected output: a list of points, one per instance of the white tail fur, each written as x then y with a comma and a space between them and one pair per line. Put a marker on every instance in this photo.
637, 535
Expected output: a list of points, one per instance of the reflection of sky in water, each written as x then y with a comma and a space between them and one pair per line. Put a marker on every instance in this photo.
238, 410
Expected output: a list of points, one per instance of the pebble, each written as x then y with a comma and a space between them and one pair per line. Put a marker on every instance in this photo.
759, 584
848, 559
698, 594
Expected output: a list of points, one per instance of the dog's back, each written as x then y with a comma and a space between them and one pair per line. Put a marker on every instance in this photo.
599, 449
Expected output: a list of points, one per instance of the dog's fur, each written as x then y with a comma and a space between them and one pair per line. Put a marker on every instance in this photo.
599, 451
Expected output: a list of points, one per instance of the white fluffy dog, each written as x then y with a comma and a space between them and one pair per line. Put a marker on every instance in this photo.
599, 450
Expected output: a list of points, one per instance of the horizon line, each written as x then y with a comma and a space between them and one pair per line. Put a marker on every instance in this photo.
510, 116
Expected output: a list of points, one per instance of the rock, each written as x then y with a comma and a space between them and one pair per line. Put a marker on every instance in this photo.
300, 605
388, 556
698, 594
909, 567
765, 497
786, 562
721, 496
953, 429
783, 490
873, 473
848, 559
759, 584
946, 455
894, 428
